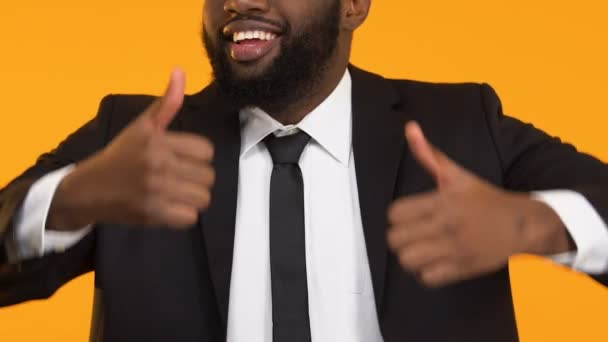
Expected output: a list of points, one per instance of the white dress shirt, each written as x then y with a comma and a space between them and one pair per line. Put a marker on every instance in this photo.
341, 298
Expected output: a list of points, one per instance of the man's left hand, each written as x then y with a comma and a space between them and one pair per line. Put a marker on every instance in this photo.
467, 227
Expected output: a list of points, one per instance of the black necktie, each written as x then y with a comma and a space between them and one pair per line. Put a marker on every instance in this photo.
290, 321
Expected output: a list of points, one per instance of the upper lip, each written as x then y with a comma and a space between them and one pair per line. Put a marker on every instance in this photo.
249, 25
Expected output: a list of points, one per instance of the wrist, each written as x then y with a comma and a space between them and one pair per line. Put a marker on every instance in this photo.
71, 207
544, 233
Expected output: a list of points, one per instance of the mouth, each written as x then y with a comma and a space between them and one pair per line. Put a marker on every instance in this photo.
250, 41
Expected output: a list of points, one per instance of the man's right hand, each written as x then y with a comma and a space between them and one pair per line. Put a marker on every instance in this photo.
146, 176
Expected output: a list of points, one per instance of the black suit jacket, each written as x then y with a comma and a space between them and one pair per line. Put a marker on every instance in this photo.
163, 285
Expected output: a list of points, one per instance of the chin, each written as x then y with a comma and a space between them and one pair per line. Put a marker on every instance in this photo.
246, 72
249, 70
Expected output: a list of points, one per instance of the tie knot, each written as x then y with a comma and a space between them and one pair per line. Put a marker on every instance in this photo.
286, 149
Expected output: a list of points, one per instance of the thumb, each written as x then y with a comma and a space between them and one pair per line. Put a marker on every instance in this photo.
167, 107
433, 160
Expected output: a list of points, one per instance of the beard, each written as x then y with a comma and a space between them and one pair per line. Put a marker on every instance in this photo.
292, 75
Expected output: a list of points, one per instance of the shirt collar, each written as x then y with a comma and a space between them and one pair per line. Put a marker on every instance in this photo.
329, 124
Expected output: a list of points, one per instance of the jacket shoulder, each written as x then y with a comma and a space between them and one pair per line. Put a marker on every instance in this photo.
423, 90
127, 103
453, 104
120, 109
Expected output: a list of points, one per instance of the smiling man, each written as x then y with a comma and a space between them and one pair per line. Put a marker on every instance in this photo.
296, 198
294, 67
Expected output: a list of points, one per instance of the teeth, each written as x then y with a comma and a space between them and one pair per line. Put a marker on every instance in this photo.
238, 36
243, 35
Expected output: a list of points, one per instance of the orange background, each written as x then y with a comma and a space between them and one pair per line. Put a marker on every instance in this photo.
546, 58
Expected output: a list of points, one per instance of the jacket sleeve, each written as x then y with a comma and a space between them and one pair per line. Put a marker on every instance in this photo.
532, 160
40, 278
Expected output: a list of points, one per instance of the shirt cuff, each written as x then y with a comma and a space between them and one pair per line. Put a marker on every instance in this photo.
585, 226
32, 240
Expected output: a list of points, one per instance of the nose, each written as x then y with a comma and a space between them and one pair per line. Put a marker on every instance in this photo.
246, 6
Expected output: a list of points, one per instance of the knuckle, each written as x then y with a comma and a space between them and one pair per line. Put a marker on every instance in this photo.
200, 144
153, 157
447, 224
185, 219
435, 229
452, 230
151, 185
430, 279
192, 217
206, 199
436, 277
405, 259
391, 237
211, 176
210, 150
148, 212
394, 212
467, 260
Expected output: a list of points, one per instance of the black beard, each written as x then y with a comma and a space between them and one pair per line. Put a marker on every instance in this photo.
294, 73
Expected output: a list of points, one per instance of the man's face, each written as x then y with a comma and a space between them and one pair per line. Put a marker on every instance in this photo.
268, 53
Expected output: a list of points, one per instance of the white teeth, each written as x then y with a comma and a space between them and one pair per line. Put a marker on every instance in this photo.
238, 36
243, 35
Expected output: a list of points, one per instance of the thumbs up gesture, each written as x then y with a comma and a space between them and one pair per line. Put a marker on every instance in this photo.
466, 227
145, 176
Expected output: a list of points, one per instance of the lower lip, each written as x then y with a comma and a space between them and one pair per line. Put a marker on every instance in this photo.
251, 50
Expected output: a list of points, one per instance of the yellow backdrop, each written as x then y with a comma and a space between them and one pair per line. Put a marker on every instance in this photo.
546, 58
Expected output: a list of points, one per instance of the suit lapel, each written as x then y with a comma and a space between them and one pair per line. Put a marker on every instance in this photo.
209, 115
378, 145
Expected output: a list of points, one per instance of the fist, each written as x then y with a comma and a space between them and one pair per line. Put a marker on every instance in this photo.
146, 175
467, 227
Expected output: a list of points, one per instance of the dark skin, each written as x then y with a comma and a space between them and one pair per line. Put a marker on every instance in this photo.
354, 13
466, 228
145, 176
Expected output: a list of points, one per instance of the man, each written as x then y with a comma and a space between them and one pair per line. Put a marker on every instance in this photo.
284, 202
